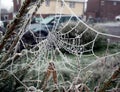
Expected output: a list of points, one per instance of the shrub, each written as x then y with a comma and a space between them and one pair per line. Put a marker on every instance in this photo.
86, 35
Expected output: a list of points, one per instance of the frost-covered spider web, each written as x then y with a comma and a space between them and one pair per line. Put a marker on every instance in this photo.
59, 60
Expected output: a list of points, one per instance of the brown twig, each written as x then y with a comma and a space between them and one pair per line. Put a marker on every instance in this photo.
17, 38
108, 83
13, 24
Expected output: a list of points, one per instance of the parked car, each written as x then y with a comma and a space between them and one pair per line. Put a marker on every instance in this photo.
51, 22
117, 18
37, 32
55, 21
36, 20
1, 24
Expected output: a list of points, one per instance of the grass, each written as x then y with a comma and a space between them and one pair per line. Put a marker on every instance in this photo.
91, 76
101, 70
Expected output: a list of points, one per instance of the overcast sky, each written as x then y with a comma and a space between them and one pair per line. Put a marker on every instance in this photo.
7, 4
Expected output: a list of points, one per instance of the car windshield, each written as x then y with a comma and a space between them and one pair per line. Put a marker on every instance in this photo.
38, 19
47, 20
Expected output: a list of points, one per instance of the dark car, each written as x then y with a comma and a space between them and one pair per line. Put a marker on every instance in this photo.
38, 32
36, 20
54, 22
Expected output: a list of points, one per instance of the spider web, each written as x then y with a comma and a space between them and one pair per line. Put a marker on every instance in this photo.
46, 58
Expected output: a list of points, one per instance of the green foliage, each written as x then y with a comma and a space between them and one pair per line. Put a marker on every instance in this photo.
74, 30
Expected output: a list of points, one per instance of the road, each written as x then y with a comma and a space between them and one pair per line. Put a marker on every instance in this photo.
112, 28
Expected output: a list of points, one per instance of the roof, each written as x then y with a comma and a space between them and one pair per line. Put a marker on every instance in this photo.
114, 0
76, 0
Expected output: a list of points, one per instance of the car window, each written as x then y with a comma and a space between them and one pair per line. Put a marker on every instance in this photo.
64, 19
38, 19
73, 19
61, 20
47, 20
58, 19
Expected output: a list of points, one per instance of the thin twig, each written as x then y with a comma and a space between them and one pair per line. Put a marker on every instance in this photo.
108, 83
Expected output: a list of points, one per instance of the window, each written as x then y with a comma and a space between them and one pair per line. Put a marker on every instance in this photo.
62, 3
66, 19
5, 17
73, 19
72, 4
114, 3
47, 2
102, 3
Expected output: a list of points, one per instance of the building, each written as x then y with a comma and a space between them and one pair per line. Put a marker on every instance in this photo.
16, 6
51, 7
103, 9
6, 16
92, 8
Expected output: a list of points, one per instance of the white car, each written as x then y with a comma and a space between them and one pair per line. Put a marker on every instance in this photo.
1, 24
117, 18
